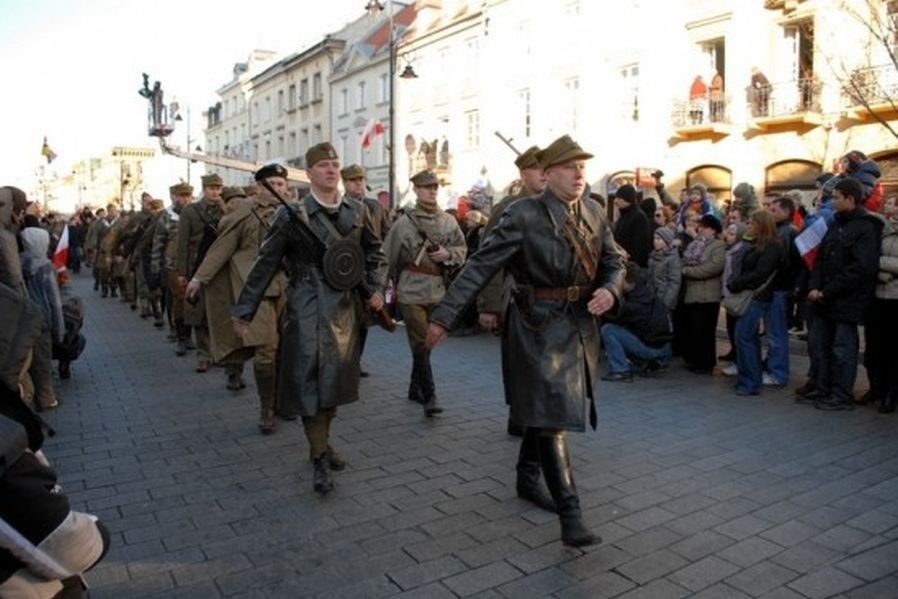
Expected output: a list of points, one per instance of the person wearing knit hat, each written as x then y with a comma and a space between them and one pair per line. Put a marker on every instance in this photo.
698, 204
735, 249
745, 199
632, 230
665, 267
559, 248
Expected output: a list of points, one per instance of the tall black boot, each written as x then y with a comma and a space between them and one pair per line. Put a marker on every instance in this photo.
556, 465
528, 486
183, 333
266, 385
431, 406
415, 390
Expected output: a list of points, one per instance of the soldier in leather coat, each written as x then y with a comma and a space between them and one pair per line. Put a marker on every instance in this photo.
568, 270
319, 356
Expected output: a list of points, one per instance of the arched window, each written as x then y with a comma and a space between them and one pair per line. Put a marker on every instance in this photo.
791, 174
718, 179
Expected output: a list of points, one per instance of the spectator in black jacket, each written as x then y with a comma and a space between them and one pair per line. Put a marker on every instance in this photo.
632, 231
776, 324
841, 287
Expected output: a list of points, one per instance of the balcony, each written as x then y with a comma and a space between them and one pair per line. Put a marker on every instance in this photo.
871, 91
702, 117
786, 104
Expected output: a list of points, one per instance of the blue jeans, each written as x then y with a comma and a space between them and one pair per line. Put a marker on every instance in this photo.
836, 346
621, 346
748, 347
776, 326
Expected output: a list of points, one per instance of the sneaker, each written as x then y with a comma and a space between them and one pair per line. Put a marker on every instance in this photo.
795, 331
730, 370
804, 390
769, 381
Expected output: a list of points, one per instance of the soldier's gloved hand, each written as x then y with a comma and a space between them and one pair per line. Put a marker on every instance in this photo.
436, 334
602, 301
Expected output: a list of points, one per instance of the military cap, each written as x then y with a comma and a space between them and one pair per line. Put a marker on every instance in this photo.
528, 159
353, 171
212, 180
19, 198
425, 178
271, 170
181, 189
229, 193
561, 150
319, 152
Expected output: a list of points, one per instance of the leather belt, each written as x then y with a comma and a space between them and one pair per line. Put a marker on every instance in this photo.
424, 270
569, 294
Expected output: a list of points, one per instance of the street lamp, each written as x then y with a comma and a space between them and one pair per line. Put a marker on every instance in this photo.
374, 8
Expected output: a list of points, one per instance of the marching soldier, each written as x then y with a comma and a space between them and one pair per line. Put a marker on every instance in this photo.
355, 186
319, 358
493, 300
134, 246
91, 245
229, 259
164, 259
422, 244
196, 232
105, 256
568, 270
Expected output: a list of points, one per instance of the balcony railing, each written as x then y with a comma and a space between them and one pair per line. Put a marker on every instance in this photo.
701, 112
871, 86
784, 99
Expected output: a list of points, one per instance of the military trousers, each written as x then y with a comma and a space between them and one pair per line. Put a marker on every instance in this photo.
317, 429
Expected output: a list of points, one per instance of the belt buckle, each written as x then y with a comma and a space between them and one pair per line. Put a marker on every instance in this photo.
572, 294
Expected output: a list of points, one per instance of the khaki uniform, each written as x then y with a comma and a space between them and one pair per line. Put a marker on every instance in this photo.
162, 265
420, 282
194, 219
223, 273
107, 241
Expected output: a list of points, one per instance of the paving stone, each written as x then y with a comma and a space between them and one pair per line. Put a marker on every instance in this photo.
790, 533
761, 578
721, 591
825, 582
659, 589
648, 541
750, 551
702, 544
805, 557
841, 538
881, 589
743, 527
703, 573
482, 578
652, 566
538, 585
873, 564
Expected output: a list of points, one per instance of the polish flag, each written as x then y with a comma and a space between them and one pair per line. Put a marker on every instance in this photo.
808, 242
61, 255
372, 130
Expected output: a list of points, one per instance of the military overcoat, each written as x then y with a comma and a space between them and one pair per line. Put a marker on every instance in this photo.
223, 273
191, 227
550, 347
319, 359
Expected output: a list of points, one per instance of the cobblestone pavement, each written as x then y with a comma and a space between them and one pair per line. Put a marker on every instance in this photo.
697, 492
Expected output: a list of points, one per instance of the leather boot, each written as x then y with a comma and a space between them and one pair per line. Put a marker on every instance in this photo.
322, 482
158, 321
431, 406
415, 391
556, 466
528, 486
234, 371
182, 331
144, 308
266, 385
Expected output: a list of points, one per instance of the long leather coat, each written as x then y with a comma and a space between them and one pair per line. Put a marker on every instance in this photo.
550, 348
318, 364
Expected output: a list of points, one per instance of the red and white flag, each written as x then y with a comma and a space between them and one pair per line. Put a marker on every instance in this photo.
61, 255
371, 131
808, 242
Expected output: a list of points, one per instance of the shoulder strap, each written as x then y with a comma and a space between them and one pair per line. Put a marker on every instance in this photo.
583, 250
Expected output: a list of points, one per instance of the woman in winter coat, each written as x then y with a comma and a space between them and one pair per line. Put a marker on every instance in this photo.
732, 267
881, 326
40, 279
665, 268
703, 262
759, 265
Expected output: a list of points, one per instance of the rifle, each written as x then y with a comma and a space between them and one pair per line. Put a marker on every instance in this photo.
508, 143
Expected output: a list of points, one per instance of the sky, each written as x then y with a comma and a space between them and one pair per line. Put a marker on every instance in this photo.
71, 69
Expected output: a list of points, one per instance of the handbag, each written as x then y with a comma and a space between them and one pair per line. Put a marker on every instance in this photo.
737, 303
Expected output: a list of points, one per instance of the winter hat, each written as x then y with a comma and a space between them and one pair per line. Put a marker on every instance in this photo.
712, 222
701, 187
666, 234
627, 193
746, 192
741, 228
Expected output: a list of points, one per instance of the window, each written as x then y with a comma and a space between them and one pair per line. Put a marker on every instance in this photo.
317, 92
384, 88
524, 111
255, 152
255, 114
291, 97
572, 99
341, 151
572, 8
344, 101
280, 102
303, 92
316, 134
291, 145
267, 150
304, 138
472, 135
281, 146
629, 92
266, 112
360, 105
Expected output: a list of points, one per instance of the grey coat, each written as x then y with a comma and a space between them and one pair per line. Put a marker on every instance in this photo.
665, 273
550, 348
318, 363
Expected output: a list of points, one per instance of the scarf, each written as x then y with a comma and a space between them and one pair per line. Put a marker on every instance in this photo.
694, 251
427, 208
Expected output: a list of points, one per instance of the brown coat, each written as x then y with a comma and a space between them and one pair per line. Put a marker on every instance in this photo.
223, 273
